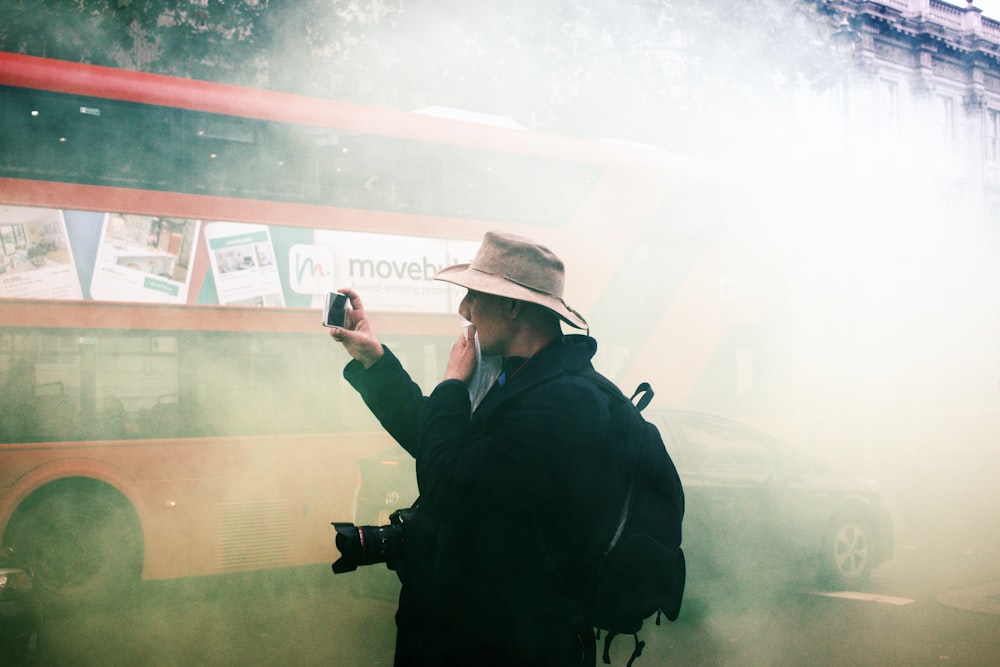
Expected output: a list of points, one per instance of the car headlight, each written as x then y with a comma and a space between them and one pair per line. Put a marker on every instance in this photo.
13, 583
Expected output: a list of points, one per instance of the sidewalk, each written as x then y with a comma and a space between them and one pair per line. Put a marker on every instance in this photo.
983, 598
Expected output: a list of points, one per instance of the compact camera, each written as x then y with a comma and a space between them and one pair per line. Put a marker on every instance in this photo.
333, 312
367, 545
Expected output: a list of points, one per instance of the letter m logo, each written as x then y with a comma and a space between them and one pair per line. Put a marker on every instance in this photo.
310, 269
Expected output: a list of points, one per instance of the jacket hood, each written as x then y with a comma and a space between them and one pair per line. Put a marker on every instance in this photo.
577, 351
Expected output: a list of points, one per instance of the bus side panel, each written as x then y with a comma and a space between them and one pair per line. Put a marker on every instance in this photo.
211, 505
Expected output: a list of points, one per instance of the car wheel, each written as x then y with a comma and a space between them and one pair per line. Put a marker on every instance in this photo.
847, 553
81, 539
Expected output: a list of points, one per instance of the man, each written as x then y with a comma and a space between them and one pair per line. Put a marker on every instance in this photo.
499, 556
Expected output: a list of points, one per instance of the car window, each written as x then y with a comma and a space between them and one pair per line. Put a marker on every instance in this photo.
714, 446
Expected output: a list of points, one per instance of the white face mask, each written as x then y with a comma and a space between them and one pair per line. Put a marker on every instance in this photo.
487, 371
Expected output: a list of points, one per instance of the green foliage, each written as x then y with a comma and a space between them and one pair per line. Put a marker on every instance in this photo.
581, 66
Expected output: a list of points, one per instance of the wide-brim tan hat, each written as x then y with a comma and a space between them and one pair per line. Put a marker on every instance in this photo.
516, 267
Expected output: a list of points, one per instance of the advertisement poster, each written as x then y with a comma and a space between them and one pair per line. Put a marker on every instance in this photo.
124, 257
243, 264
144, 258
36, 260
390, 272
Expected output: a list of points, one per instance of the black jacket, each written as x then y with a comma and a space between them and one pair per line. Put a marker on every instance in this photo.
500, 557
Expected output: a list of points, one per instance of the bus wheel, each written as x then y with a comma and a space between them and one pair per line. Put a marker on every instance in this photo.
81, 537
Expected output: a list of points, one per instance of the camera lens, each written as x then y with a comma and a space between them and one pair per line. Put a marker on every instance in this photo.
367, 545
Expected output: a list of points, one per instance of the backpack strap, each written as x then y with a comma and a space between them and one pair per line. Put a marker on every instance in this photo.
607, 647
636, 651
623, 517
645, 393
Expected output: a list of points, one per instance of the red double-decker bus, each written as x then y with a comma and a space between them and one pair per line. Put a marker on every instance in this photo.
170, 404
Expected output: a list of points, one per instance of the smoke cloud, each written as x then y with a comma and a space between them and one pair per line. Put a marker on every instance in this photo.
877, 349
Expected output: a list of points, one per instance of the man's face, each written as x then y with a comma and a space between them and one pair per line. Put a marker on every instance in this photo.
489, 313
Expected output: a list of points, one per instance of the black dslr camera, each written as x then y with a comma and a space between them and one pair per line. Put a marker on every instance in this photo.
367, 545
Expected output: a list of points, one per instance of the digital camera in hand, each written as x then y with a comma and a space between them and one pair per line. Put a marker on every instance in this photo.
334, 310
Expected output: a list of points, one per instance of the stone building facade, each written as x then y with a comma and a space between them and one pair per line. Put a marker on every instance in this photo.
922, 109
894, 248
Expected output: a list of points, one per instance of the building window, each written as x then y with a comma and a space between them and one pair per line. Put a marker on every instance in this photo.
888, 104
993, 226
944, 119
887, 120
993, 136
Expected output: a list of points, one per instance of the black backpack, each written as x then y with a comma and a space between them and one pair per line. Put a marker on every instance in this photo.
642, 569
